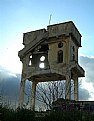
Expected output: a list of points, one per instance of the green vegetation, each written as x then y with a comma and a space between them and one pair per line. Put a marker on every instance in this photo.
7, 114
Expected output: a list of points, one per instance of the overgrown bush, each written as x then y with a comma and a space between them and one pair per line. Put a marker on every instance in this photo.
62, 116
68, 116
24, 115
7, 114
18, 115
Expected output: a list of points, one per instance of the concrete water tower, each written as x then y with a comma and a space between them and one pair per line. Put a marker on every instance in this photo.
50, 55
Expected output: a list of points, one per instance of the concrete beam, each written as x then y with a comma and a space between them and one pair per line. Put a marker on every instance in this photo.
22, 89
34, 83
68, 87
76, 88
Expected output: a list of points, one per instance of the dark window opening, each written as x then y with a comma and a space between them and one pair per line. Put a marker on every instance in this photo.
73, 48
30, 63
60, 56
44, 48
60, 45
73, 56
30, 60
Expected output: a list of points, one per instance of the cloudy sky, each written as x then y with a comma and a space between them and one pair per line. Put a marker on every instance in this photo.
20, 16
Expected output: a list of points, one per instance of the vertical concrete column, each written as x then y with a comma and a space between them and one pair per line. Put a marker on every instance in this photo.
67, 50
22, 88
34, 83
68, 87
76, 88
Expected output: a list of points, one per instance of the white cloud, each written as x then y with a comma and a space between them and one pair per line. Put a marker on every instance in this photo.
84, 94
13, 75
88, 64
10, 60
88, 81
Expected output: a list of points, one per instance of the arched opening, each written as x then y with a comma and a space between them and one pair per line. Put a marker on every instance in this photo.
30, 60
60, 56
60, 45
73, 56
42, 62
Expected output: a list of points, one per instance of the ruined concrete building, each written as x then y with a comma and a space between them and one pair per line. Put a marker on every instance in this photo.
50, 55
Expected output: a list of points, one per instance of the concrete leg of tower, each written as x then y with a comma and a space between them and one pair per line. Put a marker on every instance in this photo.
68, 87
76, 88
22, 88
34, 83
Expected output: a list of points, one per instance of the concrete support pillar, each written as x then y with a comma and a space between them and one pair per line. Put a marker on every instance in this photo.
22, 88
34, 83
68, 87
76, 88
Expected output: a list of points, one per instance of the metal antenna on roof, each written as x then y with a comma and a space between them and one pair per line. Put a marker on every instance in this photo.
50, 18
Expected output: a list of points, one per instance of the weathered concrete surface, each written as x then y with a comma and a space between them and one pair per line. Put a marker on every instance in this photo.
59, 46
